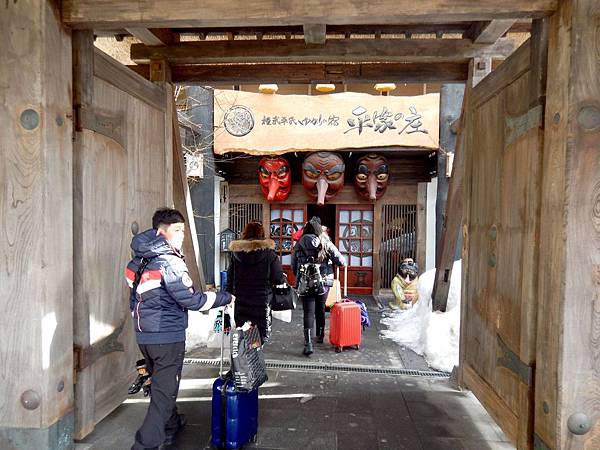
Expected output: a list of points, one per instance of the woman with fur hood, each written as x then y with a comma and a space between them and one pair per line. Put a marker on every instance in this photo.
254, 269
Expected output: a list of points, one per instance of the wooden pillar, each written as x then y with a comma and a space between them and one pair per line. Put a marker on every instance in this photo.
421, 225
451, 98
36, 248
567, 379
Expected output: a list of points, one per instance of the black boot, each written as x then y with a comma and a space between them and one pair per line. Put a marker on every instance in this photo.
308, 346
320, 334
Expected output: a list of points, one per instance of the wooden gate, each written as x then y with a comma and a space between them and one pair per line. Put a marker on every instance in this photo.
503, 143
122, 173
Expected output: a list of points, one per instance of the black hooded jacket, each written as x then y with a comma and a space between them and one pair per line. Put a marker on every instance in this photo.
254, 268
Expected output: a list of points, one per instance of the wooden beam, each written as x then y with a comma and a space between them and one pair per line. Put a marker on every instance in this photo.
490, 31
110, 70
315, 73
157, 36
216, 13
333, 51
454, 214
183, 202
315, 33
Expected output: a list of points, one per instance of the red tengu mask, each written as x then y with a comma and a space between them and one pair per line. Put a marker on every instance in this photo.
323, 176
372, 176
275, 178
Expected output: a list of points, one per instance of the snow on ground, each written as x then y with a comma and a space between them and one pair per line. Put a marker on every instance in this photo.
435, 335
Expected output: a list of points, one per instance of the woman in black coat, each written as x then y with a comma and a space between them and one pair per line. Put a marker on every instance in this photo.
254, 269
316, 245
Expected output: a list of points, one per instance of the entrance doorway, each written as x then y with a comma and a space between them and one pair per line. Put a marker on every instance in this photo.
327, 215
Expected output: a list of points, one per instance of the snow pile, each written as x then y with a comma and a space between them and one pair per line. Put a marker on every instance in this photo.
434, 335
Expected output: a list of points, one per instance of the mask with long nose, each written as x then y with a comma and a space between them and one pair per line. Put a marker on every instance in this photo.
323, 176
275, 178
372, 175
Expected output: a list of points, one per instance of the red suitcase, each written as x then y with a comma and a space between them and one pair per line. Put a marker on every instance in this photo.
345, 329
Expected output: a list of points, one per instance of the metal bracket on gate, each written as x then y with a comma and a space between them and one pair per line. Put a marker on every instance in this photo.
111, 127
538, 444
515, 127
86, 356
512, 362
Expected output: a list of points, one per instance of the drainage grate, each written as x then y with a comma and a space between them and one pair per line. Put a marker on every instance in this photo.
282, 365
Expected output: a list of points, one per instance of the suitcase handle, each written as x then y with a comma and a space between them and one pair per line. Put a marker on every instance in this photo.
224, 310
337, 269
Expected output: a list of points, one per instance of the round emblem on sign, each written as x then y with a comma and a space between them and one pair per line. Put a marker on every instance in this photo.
186, 280
239, 121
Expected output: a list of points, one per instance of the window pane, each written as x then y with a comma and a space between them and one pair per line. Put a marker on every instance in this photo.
275, 214
354, 246
287, 245
286, 260
367, 246
367, 261
355, 231
355, 216
354, 261
287, 229
367, 231
287, 214
343, 245
368, 216
344, 216
298, 215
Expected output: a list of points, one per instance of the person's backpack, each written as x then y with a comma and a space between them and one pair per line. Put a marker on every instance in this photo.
310, 281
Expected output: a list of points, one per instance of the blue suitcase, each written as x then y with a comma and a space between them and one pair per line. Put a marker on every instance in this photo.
234, 413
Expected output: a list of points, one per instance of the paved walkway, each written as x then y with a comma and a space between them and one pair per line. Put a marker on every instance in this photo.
327, 409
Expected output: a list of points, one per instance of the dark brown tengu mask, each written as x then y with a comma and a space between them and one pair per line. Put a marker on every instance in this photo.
323, 176
372, 176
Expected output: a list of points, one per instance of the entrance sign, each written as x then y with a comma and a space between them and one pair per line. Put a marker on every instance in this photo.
260, 124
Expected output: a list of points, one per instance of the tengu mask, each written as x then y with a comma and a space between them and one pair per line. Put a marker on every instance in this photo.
372, 175
275, 178
323, 176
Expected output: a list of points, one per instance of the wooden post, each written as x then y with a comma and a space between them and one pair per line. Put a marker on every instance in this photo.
567, 366
36, 210
454, 215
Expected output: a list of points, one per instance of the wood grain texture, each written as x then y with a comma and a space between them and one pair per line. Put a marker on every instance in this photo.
35, 216
332, 51
111, 71
214, 13
568, 340
421, 223
36, 269
307, 73
502, 189
490, 31
114, 186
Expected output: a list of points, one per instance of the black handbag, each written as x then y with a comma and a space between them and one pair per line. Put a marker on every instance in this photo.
247, 359
284, 296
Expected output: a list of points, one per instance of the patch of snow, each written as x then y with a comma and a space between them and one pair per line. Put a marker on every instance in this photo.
435, 335
199, 327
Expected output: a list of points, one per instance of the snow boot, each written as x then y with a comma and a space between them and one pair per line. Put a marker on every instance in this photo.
308, 346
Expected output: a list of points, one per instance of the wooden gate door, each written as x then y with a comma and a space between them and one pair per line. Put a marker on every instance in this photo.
501, 223
354, 238
121, 175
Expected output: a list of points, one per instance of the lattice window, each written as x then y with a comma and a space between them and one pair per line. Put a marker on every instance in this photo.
355, 236
398, 239
285, 221
242, 213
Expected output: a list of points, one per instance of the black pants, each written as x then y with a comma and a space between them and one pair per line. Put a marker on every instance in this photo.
314, 308
164, 363
258, 315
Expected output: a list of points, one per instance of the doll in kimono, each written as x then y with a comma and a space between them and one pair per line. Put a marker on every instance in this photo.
405, 285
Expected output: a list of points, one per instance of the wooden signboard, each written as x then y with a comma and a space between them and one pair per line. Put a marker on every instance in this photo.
263, 124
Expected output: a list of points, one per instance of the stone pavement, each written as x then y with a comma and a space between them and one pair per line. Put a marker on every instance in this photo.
330, 409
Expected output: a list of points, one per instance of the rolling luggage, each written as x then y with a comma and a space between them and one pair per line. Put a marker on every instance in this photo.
345, 329
234, 413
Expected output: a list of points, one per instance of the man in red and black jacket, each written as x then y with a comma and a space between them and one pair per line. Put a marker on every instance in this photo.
161, 295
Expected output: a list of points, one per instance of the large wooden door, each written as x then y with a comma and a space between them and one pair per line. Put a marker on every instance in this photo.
354, 239
284, 221
501, 224
121, 175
